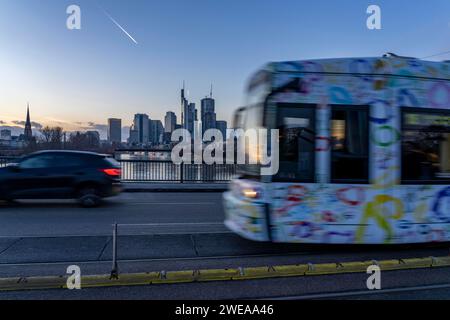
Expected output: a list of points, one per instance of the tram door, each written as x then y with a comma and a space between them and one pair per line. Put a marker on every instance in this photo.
296, 125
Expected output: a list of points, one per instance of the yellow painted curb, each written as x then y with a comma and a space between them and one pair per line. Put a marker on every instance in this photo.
186, 276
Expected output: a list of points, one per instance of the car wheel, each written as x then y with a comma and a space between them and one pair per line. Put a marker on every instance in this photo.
89, 197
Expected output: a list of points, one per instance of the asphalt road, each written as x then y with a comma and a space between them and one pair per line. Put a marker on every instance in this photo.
184, 231
395, 285
154, 212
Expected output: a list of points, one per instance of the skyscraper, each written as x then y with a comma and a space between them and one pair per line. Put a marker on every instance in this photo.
133, 137
170, 122
156, 131
28, 133
189, 114
222, 127
208, 115
141, 125
114, 130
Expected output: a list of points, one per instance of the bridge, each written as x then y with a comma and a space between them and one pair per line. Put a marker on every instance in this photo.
171, 244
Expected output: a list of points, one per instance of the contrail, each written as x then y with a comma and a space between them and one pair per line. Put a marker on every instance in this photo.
118, 25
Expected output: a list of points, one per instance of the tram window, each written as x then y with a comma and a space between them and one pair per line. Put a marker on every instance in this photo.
426, 146
296, 125
349, 144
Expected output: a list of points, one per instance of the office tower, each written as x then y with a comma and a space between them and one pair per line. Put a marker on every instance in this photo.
189, 114
170, 122
141, 125
208, 116
114, 130
222, 127
134, 136
156, 131
93, 138
189, 118
184, 107
159, 131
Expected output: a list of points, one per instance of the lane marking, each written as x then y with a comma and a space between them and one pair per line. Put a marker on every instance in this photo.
105, 235
170, 224
171, 203
137, 233
361, 293
108, 262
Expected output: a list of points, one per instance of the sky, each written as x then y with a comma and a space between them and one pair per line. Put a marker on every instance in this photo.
78, 78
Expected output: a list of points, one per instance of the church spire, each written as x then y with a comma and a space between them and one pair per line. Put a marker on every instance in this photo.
28, 132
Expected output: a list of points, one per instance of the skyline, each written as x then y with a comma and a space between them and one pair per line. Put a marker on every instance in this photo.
17, 126
79, 78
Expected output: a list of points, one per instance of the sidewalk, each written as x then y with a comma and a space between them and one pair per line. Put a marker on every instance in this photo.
174, 187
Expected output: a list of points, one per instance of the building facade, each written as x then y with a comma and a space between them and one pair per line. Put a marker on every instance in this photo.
156, 131
170, 122
222, 126
114, 130
208, 114
141, 125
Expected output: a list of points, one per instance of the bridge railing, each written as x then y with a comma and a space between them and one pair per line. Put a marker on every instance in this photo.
162, 171
165, 171
4, 160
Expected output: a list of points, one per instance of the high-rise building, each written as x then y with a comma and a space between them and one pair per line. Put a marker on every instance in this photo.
93, 138
189, 113
156, 131
133, 137
208, 115
184, 107
114, 130
190, 116
170, 122
141, 125
28, 133
222, 127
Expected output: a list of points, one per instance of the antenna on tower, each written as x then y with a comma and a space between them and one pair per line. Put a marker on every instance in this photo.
210, 92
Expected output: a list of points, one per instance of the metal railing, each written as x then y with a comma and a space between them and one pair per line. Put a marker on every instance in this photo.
165, 171
4, 161
161, 171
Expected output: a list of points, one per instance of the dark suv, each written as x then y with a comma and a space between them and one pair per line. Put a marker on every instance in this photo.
86, 176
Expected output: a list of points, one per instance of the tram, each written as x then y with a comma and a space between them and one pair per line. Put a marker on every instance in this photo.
364, 153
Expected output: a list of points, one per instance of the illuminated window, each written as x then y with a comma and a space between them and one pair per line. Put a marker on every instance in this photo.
296, 124
349, 144
426, 146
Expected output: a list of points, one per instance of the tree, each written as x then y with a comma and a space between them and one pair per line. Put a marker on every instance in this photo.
51, 137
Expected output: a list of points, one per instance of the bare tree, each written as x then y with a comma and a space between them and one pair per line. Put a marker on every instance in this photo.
51, 137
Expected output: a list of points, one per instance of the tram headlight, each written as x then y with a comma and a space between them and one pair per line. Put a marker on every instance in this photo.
250, 193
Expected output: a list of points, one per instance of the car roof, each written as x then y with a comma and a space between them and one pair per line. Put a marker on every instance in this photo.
85, 153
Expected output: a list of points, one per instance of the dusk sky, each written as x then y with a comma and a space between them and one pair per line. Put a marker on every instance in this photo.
79, 78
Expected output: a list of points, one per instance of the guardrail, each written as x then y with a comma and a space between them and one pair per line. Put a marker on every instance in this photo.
160, 171
166, 171
4, 161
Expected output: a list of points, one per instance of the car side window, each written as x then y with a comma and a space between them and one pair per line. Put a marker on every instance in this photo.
64, 160
42, 161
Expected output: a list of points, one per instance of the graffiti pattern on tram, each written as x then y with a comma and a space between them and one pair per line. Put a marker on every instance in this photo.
383, 211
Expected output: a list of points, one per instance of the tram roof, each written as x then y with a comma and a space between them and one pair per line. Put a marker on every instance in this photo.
388, 65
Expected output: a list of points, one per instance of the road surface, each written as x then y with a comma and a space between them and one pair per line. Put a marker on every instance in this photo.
184, 231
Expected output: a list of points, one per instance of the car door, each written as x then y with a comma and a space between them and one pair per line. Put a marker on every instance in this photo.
66, 168
30, 179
